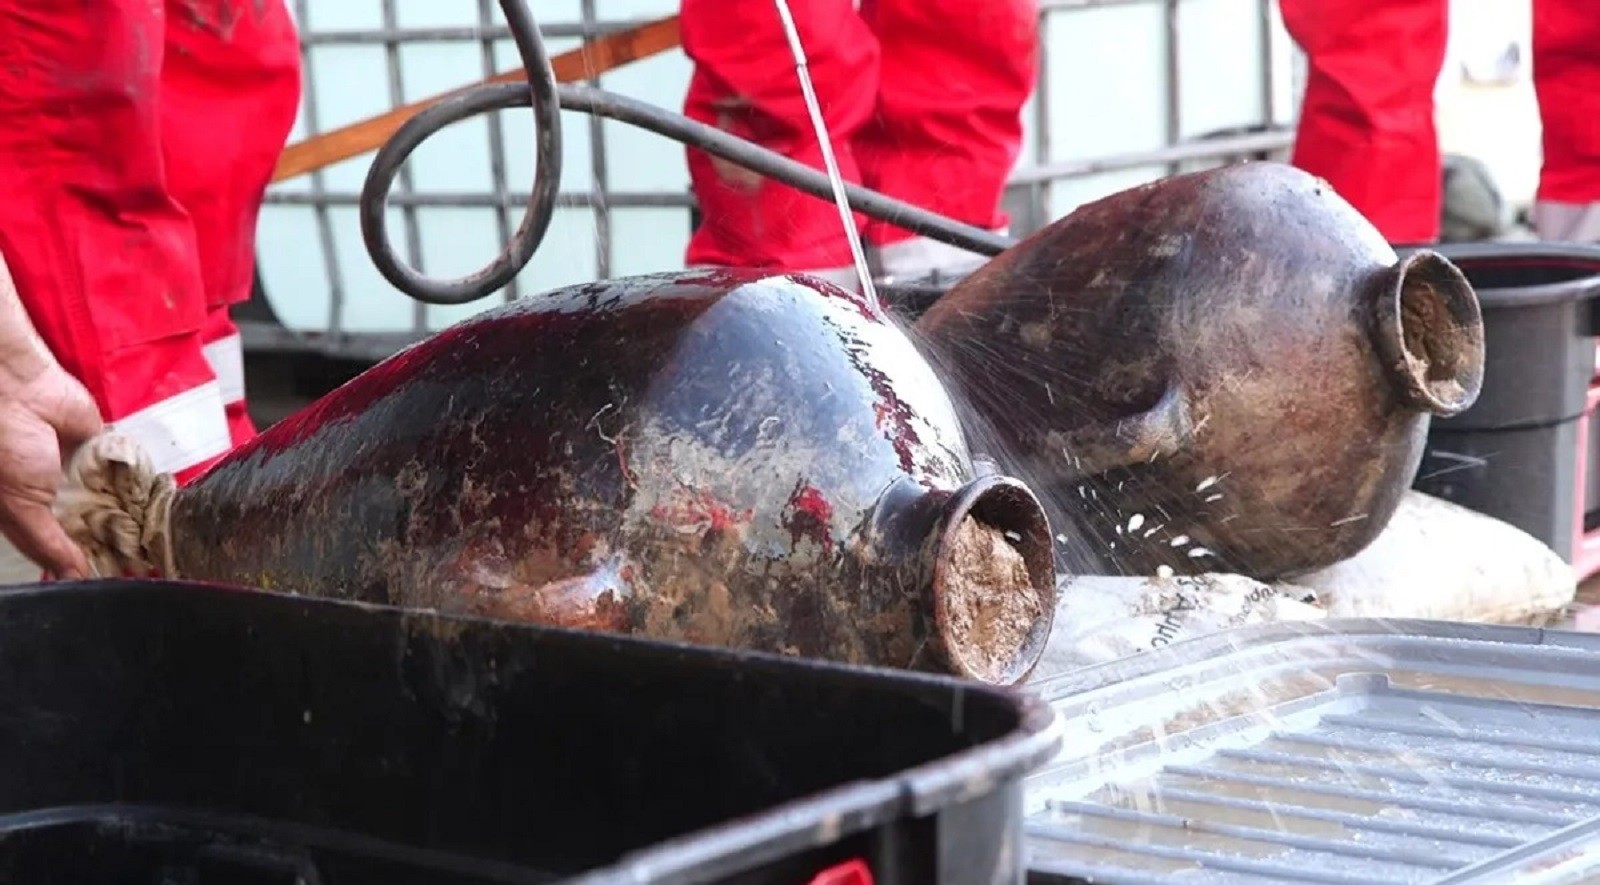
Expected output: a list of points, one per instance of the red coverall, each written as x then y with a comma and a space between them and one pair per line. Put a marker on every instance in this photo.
1367, 121
136, 140
929, 114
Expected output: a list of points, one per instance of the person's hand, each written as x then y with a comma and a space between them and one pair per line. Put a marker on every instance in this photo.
45, 414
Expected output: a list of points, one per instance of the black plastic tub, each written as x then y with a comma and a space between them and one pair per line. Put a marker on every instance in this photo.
1513, 455
1524, 476
187, 734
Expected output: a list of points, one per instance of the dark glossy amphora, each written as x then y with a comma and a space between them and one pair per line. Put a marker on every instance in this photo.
721, 458
1221, 371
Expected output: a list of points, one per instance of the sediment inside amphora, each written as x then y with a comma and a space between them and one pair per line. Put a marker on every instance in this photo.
1435, 323
994, 586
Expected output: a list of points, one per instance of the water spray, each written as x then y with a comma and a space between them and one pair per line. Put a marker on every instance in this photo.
820, 129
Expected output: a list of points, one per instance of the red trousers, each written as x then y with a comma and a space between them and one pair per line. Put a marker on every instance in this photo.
1367, 120
136, 140
929, 114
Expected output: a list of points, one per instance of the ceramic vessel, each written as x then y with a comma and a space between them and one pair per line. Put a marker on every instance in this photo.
1227, 370
717, 457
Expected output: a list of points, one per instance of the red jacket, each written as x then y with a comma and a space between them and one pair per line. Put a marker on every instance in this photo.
136, 140
930, 113
1367, 120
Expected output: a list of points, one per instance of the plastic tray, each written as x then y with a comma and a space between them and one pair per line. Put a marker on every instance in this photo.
176, 733
1341, 751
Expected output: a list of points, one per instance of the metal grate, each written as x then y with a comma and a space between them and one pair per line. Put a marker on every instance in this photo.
1372, 758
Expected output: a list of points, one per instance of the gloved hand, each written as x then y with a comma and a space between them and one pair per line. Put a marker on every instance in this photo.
45, 414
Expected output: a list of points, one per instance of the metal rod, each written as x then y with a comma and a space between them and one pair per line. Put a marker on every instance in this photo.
1042, 190
1268, 60
324, 221
1197, 150
1171, 61
408, 214
1067, 5
495, 32
597, 168
750, 156
497, 135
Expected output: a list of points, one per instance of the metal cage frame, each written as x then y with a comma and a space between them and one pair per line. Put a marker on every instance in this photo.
1028, 194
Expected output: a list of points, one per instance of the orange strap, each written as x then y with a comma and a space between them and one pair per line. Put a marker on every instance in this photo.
589, 60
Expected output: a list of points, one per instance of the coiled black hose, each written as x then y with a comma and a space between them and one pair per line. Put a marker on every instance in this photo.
548, 99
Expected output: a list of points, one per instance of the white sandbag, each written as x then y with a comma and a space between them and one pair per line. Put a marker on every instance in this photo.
1439, 560
1101, 618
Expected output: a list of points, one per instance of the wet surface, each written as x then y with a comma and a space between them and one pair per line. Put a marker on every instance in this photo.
1403, 756
730, 458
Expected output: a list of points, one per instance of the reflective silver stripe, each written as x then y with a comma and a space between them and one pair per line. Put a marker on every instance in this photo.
182, 430
226, 356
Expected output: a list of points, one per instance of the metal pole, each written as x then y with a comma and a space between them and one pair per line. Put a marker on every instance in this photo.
1174, 93
1042, 191
319, 190
597, 165
397, 97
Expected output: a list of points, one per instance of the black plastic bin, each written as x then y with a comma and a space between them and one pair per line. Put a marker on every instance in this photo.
1514, 454
184, 734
